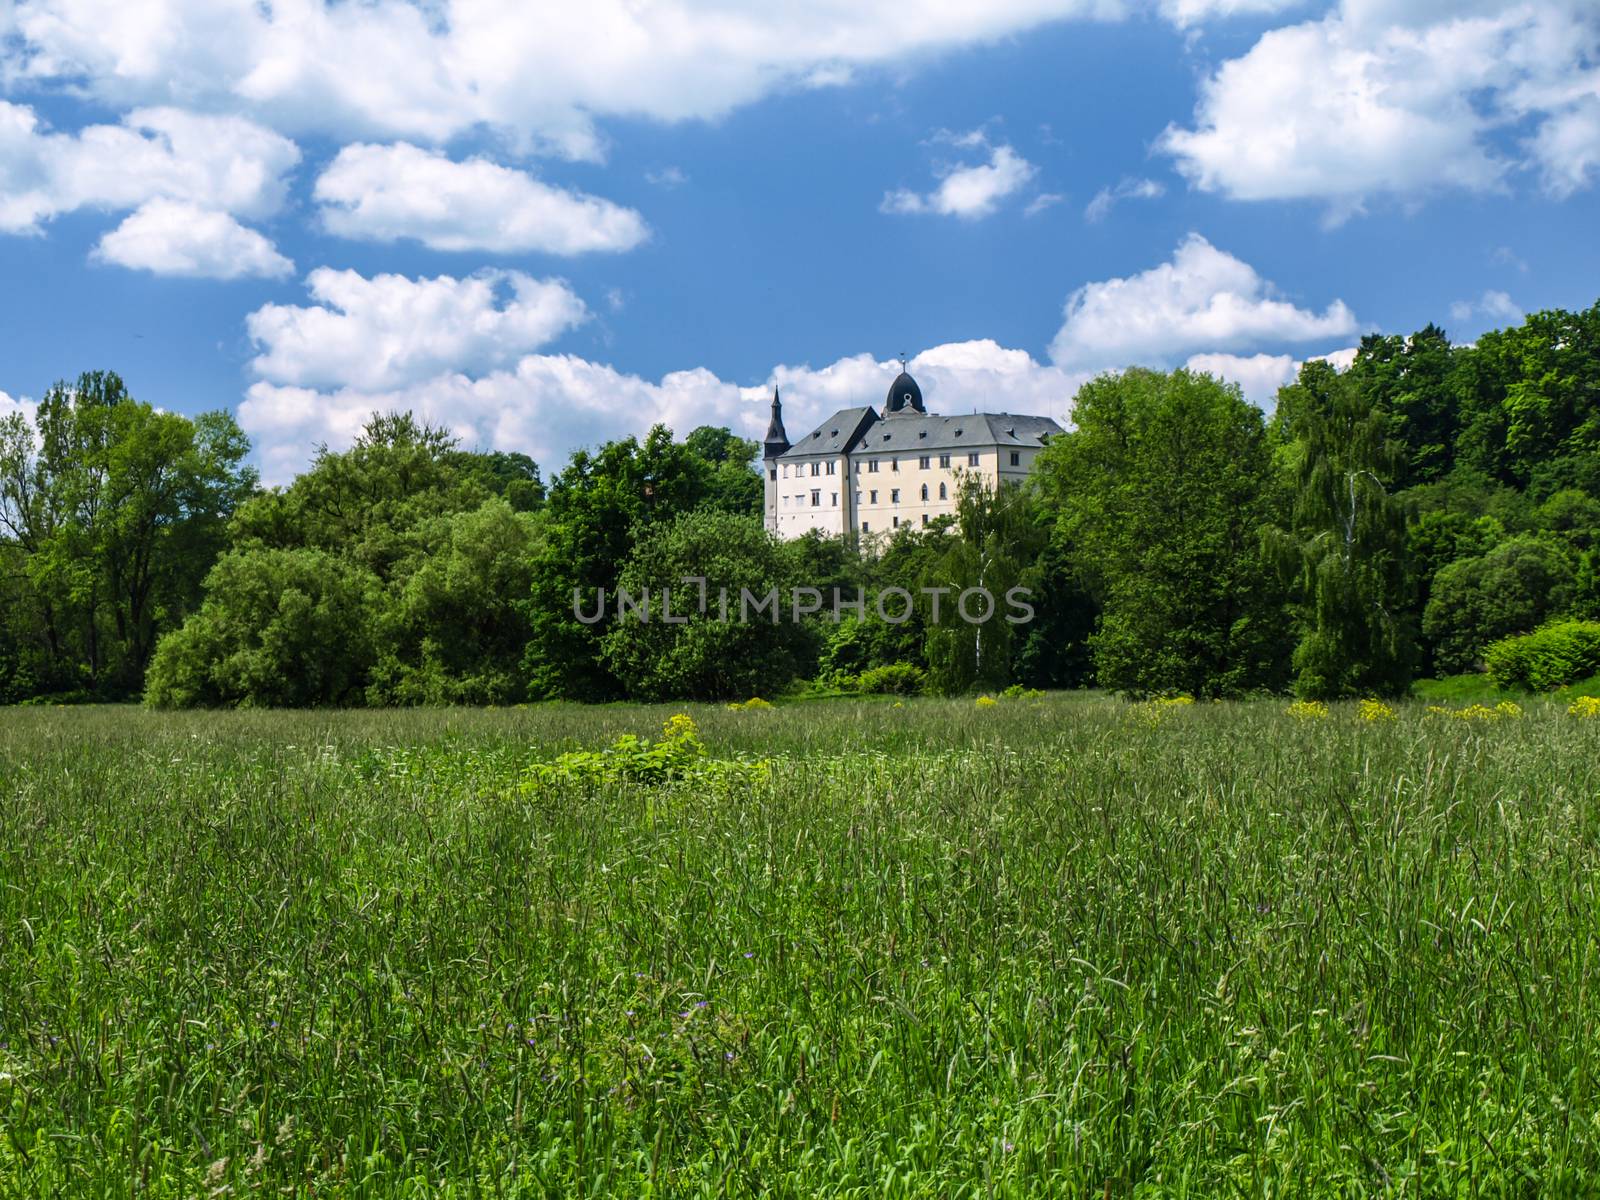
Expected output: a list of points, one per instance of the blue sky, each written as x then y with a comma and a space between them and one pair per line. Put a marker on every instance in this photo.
545, 226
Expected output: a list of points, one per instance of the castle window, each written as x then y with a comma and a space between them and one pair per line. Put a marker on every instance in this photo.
894, 495
864, 528
943, 494
897, 522
816, 468
872, 466
773, 471
816, 498
831, 465
874, 494
924, 491
835, 500
924, 518
1016, 459
894, 464
972, 459
923, 462
944, 460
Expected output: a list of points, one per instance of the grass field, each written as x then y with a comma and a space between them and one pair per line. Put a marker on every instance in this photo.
1048, 948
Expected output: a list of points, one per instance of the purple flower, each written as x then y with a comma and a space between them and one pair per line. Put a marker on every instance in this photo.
701, 1003
749, 953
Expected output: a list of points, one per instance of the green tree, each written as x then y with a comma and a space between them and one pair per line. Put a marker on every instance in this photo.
457, 623
733, 483
715, 654
1514, 588
1161, 491
114, 511
278, 628
998, 534
1346, 545
599, 506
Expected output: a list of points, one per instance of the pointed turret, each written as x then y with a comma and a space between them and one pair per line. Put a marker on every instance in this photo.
777, 442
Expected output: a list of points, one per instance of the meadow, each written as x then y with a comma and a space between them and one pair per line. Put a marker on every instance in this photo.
1054, 947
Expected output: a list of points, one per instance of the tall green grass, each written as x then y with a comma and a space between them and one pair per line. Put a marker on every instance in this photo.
1046, 948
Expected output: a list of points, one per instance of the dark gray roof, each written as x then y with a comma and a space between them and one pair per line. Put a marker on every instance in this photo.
838, 434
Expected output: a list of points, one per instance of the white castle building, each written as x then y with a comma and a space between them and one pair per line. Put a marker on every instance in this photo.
859, 472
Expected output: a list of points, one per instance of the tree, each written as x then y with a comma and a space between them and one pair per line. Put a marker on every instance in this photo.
998, 535
718, 653
1161, 491
1514, 588
1345, 548
115, 512
599, 506
733, 483
278, 628
456, 622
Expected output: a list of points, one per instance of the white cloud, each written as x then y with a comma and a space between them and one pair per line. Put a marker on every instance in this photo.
1188, 13
1041, 202
1129, 189
10, 406
1495, 305
542, 73
1259, 376
1339, 360
390, 331
968, 192
1203, 301
1399, 100
226, 164
546, 405
170, 237
384, 193
667, 177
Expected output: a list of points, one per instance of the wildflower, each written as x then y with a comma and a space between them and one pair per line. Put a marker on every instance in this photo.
986, 702
1375, 710
1587, 707
1308, 710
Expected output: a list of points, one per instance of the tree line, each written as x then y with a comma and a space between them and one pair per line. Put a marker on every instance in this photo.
1387, 521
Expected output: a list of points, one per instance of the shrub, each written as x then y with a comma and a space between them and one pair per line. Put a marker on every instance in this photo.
898, 679
1560, 653
754, 704
1017, 692
678, 756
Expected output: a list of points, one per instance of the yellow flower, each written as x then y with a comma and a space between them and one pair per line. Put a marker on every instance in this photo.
986, 702
1375, 710
755, 703
1507, 709
1308, 710
1587, 707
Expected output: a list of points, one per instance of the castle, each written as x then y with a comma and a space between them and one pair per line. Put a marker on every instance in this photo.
859, 472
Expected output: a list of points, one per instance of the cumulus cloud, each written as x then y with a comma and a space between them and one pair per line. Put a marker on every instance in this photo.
968, 192
1495, 305
548, 404
1203, 301
170, 237
10, 406
385, 193
390, 331
543, 73
1129, 189
225, 164
1399, 100
1186, 14
1259, 376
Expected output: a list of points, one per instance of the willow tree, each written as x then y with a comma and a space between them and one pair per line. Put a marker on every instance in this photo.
1345, 548
998, 536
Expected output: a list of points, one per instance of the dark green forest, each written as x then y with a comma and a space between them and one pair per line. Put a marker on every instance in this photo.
1386, 523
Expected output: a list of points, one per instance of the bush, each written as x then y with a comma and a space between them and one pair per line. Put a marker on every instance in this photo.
898, 679
1558, 654
278, 629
